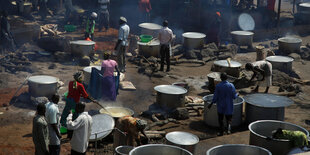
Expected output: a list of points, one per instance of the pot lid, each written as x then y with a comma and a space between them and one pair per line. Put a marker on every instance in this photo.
150, 26
304, 5
243, 33
224, 63
82, 42
268, 100
246, 22
182, 138
279, 59
151, 43
103, 124
290, 40
170, 89
209, 98
215, 75
117, 111
88, 68
193, 35
43, 79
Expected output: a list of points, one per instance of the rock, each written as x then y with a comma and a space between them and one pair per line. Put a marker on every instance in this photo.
193, 54
180, 114
52, 66
61, 56
210, 46
39, 100
233, 49
295, 56
207, 52
152, 59
84, 61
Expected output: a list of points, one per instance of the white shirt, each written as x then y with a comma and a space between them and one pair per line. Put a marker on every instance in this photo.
123, 34
165, 35
52, 117
82, 131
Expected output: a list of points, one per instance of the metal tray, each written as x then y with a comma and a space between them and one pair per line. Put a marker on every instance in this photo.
170, 89
268, 100
103, 124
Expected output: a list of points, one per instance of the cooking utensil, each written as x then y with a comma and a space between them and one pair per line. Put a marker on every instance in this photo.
238, 149
82, 47
42, 85
103, 124
289, 44
242, 38
152, 48
246, 22
232, 68
170, 96
159, 149
193, 40
282, 63
184, 140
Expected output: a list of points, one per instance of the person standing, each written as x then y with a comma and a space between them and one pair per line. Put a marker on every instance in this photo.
82, 130
263, 71
122, 43
52, 116
215, 30
40, 131
90, 26
145, 9
6, 37
103, 15
224, 95
165, 37
109, 85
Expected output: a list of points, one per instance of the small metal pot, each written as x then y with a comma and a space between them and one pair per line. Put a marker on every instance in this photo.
237, 149
289, 44
170, 96
151, 48
193, 40
123, 150
82, 47
281, 63
242, 38
184, 140
42, 85
159, 149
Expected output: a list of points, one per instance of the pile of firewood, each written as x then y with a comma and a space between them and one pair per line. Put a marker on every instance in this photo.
13, 62
49, 30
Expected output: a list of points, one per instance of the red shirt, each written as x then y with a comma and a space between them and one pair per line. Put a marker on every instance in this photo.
145, 6
77, 92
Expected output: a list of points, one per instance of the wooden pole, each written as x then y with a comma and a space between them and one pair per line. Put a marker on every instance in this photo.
279, 10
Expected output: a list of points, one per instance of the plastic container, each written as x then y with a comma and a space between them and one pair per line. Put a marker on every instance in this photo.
145, 38
70, 28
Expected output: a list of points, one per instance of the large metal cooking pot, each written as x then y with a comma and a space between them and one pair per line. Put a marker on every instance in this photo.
102, 126
237, 149
223, 66
184, 140
123, 150
210, 115
26, 7
117, 112
87, 73
260, 106
151, 48
42, 85
242, 38
170, 96
192, 40
303, 8
150, 29
82, 47
281, 63
159, 149
260, 130
289, 44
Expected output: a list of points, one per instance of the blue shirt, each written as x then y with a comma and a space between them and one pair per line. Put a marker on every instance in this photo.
224, 95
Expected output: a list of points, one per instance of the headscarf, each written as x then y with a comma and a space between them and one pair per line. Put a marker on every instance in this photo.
77, 77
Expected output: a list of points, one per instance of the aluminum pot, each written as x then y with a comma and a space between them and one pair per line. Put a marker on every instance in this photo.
223, 66
303, 8
82, 47
159, 149
193, 40
281, 63
102, 126
289, 44
42, 85
123, 150
170, 96
117, 112
151, 48
184, 140
237, 149
87, 73
210, 115
260, 130
242, 38
150, 29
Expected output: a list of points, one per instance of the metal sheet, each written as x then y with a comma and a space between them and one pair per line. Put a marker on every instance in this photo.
193, 35
182, 138
290, 40
224, 63
88, 68
242, 33
170, 89
246, 22
103, 124
268, 100
82, 42
43, 79
280, 59
150, 26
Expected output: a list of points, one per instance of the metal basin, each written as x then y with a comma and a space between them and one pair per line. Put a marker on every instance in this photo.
82, 47
289, 44
260, 130
117, 112
242, 38
184, 140
281, 63
42, 85
192, 40
159, 149
151, 48
123, 150
303, 8
150, 29
210, 115
223, 66
102, 126
87, 73
170, 96
237, 149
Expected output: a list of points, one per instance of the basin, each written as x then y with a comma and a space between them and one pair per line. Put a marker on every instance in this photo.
159, 149
237, 149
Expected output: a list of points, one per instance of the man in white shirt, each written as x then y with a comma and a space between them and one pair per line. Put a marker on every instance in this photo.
122, 43
165, 36
103, 14
81, 127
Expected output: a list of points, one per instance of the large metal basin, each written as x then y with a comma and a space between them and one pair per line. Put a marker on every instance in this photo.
87, 73
210, 115
193, 40
117, 112
281, 63
170, 96
303, 8
82, 47
102, 126
289, 44
123, 150
237, 149
184, 140
260, 130
42, 85
242, 38
159, 149
223, 66
151, 48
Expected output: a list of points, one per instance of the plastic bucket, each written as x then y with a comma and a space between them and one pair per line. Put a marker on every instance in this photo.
145, 38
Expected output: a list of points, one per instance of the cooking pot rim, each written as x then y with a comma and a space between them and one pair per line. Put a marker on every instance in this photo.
242, 33
242, 145
189, 35
205, 100
32, 79
273, 58
182, 132
162, 145
293, 41
174, 93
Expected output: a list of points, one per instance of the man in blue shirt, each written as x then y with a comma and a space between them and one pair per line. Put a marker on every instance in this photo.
224, 95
